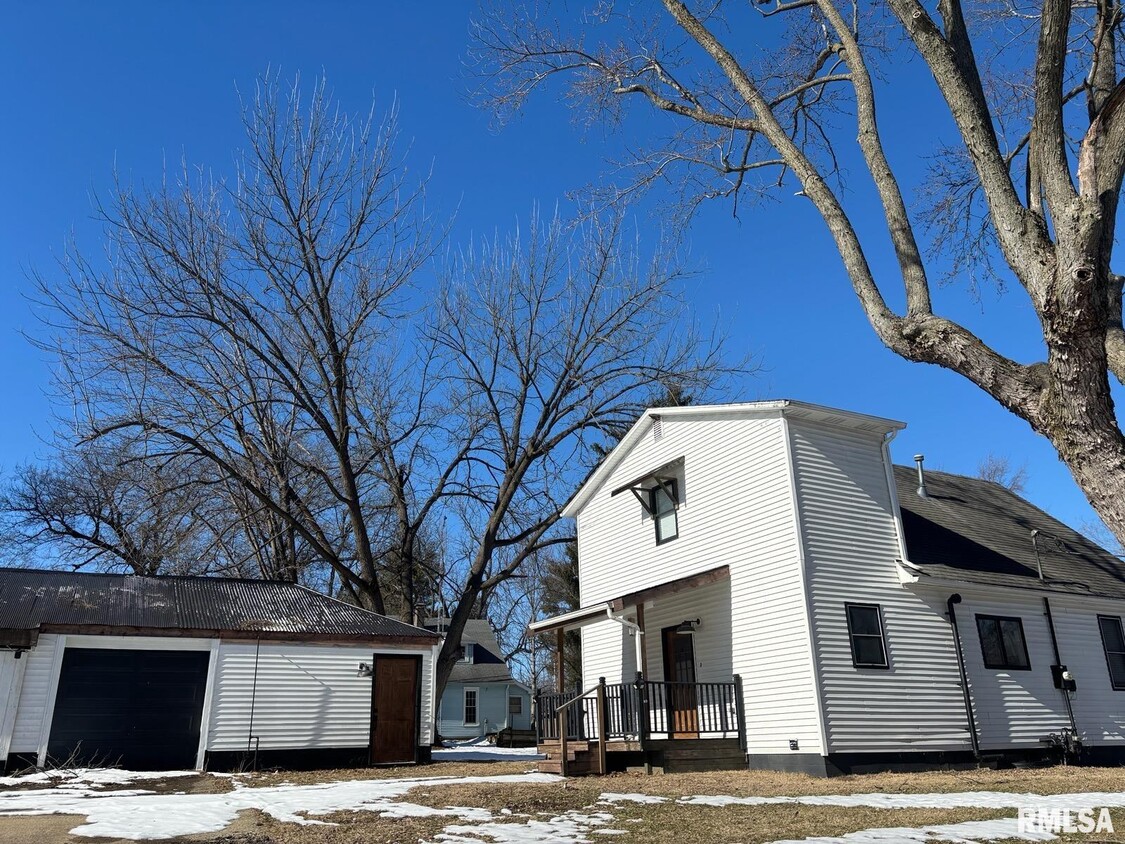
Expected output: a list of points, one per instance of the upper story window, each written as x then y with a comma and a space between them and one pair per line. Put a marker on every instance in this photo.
1113, 640
663, 499
660, 493
1002, 642
865, 630
467, 652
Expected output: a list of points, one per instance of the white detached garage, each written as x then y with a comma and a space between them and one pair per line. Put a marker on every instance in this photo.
195, 672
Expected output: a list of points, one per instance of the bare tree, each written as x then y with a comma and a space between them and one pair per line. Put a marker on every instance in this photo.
550, 340
108, 506
777, 93
244, 324
998, 469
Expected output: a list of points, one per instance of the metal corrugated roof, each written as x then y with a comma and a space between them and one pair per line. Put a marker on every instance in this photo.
978, 531
40, 598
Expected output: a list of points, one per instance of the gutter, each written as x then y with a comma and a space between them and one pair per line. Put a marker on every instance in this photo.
953, 600
637, 634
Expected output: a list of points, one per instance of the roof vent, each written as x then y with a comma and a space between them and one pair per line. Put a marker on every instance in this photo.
657, 428
919, 459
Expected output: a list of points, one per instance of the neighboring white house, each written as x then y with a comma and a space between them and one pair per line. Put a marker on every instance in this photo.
481, 698
195, 672
776, 541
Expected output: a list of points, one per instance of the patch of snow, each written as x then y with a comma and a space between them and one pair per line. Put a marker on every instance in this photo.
967, 799
612, 797
94, 777
479, 750
568, 828
135, 816
968, 832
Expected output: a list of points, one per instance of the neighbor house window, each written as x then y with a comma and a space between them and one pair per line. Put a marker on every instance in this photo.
1002, 642
1114, 643
471, 716
662, 504
467, 653
865, 629
515, 705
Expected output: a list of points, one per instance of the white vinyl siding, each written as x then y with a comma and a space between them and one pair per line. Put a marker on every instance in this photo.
851, 544
33, 696
1099, 709
617, 548
736, 510
305, 696
1013, 708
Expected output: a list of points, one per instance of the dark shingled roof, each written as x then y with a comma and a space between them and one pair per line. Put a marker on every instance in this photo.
41, 599
487, 665
978, 531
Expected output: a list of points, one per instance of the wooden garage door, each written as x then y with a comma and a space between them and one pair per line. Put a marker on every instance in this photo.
138, 709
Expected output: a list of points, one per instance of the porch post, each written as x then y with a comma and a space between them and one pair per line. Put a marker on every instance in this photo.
603, 726
560, 644
642, 649
740, 708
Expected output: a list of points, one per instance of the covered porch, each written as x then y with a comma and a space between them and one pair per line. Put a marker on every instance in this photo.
663, 699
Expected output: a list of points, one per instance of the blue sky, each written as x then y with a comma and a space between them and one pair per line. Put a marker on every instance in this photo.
94, 86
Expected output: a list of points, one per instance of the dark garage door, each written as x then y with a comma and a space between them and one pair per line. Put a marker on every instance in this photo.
137, 709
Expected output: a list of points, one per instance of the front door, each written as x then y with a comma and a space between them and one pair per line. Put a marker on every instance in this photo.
395, 703
679, 675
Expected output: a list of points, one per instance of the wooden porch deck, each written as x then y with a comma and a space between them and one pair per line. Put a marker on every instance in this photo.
663, 756
650, 726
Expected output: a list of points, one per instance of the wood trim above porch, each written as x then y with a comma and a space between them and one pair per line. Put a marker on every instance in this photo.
670, 588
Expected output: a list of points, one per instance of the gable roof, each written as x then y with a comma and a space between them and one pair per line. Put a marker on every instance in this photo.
777, 407
977, 531
488, 665
57, 601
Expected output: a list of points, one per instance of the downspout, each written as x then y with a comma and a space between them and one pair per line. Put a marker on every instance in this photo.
637, 634
954, 599
1058, 661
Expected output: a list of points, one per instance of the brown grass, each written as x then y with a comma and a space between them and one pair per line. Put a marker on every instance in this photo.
667, 822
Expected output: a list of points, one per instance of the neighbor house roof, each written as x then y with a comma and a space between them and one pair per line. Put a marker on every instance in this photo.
39, 600
487, 665
977, 531
776, 407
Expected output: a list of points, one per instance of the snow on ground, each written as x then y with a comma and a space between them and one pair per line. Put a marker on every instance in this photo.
568, 828
479, 750
87, 778
137, 814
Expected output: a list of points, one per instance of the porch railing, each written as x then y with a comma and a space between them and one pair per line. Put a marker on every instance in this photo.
643, 710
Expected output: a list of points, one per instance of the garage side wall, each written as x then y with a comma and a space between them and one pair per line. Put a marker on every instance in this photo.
300, 696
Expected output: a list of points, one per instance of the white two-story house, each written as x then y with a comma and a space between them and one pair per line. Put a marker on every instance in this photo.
763, 573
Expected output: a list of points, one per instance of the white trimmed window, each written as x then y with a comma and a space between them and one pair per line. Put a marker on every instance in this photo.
663, 499
472, 716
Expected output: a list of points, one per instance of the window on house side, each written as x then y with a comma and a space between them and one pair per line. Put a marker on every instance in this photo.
467, 653
515, 705
1002, 642
865, 630
471, 717
1113, 640
662, 504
